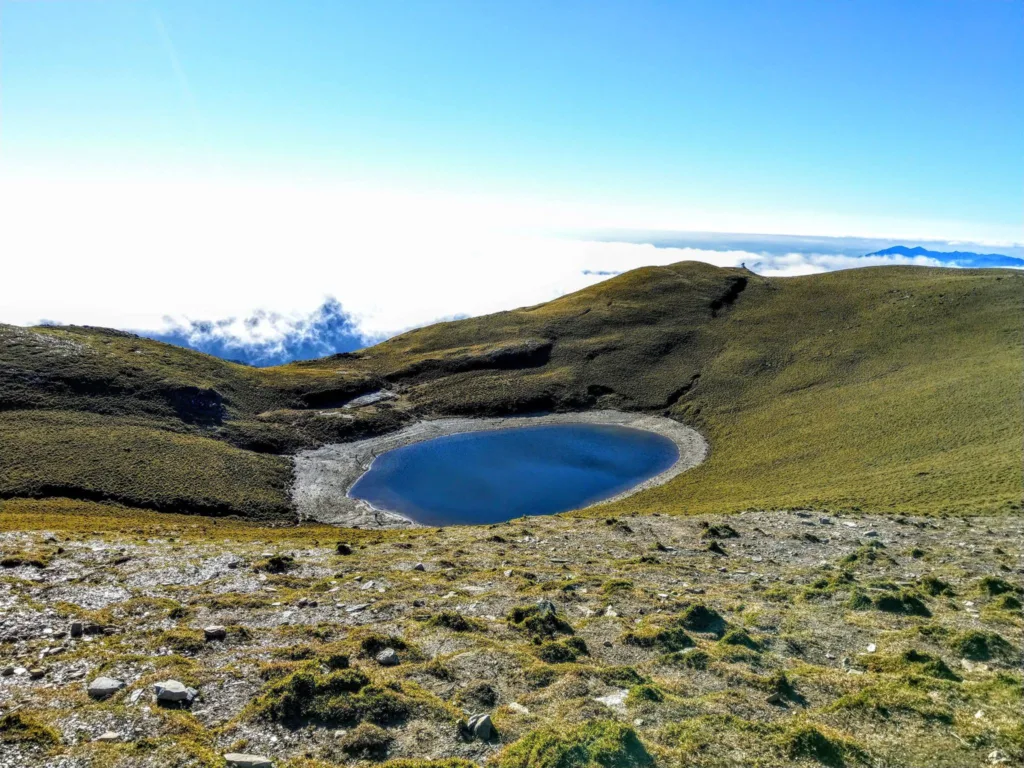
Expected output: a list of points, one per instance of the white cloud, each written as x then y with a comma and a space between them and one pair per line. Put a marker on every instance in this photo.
129, 255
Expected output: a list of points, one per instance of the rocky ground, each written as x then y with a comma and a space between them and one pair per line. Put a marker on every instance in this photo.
760, 639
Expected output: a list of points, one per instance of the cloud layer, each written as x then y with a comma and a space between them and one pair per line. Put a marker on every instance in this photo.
266, 274
268, 338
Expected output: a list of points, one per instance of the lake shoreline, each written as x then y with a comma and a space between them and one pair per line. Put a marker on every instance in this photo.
324, 476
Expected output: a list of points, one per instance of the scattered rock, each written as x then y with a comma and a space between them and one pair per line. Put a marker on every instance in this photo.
481, 727
77, 629
775, 698
388, 658
107, 737
173, 691
36, 673
518, 708
545, 608
616, 699
102, 687
240, 760
419, 567
215, 632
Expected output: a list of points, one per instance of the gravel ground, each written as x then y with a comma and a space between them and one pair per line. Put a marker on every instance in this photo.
782, 583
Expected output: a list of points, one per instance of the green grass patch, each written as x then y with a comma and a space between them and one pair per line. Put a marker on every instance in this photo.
598, 743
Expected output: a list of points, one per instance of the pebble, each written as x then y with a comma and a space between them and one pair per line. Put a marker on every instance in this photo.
518, 708
872, 647
107, 737
241, 760
388, 658
419, 567
36, 673
215, 632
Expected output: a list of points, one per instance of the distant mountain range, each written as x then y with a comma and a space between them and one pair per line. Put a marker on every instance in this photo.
960, 258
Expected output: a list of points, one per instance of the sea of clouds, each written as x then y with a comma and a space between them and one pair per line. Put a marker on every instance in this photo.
268, 274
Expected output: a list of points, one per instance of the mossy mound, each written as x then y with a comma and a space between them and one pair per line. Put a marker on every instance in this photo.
667, 639
978, 645
600, 743
366, 740
700, 618
562, 651
539, 620
456, 622
903, 601
995, 586
812, 742
33, 558
22, 728
337, 697
912, 661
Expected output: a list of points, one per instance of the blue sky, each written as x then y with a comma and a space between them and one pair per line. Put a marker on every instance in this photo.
899, 121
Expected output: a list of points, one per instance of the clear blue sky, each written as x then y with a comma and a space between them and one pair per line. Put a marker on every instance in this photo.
907, 109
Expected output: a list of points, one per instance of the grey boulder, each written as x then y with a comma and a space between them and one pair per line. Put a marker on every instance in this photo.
174, 691
102, 687
387, 658
215, 632
481, 727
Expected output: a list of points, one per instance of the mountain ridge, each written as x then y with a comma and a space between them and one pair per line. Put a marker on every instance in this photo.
831, 390
965, 258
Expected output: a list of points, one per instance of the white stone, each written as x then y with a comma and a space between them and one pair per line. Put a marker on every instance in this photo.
241, 760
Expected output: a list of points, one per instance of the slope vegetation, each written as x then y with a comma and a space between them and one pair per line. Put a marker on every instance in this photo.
884, 389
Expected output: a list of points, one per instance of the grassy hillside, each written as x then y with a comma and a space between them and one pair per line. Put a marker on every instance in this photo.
886, 389
894, 388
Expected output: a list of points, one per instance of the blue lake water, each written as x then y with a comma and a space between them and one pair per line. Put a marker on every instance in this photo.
496, 475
